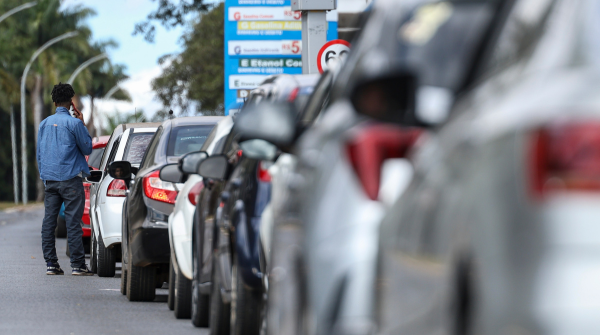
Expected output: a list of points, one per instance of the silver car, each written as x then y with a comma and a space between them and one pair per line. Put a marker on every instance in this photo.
498, 231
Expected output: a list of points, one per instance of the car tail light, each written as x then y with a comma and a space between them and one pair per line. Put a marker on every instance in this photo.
263, 172
116, 188
372, 146
565, 158
159, 190
195, 193
86, 189
294, 94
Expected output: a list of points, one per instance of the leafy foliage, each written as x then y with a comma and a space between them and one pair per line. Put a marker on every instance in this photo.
194, 78
169, 14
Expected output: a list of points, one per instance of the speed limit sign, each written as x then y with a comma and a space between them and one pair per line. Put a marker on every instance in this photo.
332, 52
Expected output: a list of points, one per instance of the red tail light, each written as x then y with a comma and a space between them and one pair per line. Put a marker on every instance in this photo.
263, 172
565, 158
86, 189
372, 146
159, 190
195, 193
294, 94
116, 188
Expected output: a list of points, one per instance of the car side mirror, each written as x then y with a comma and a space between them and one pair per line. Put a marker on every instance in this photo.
388, 97
271, 122
171, 173
120, 170
94, 177
189, 163
259, 150
214, 167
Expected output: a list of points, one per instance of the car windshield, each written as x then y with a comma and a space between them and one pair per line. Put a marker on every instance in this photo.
95, 156
187, 139
136, 147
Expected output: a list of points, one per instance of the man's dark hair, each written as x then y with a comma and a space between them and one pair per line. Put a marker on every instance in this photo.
62, 93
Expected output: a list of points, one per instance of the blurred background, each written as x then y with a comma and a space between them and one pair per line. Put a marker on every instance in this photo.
131, 60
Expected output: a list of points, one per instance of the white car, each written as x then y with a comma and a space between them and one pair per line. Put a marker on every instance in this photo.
128, 142
181, 225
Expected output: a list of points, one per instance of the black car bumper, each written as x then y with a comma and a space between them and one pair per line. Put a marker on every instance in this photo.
150, 245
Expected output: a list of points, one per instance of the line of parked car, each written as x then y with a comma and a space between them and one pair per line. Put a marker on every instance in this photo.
442, 180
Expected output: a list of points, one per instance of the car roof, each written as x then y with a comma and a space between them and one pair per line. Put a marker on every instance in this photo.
193, 120
100, 142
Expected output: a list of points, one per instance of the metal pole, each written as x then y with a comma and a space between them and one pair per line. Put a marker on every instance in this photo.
23, 118
13, 131
110, 92
314, 37
13, 140
17, 9
84, 65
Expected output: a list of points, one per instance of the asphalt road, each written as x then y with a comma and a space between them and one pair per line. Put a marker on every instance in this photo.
33, 303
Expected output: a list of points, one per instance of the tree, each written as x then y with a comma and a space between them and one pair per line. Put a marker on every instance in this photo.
115, 119
169, 15
22, 34
195, 77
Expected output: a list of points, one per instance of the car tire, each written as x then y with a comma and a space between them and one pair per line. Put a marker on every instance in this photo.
246, 305
200, 302
141, 282
61, 227
219, 311
123, 280
171, 297
106, 258
183, 296
93, 253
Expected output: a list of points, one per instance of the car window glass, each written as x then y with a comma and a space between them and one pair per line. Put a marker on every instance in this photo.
94, 158
113, 152
317, 100
520, 34
440, 39
136, 147
148, 159
187, 139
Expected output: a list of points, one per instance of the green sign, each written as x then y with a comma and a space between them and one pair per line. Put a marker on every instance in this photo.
270, 62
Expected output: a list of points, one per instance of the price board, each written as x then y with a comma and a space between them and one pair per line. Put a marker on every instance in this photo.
262, 38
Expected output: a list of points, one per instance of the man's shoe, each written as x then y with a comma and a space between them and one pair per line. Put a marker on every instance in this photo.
53, 269
83, 271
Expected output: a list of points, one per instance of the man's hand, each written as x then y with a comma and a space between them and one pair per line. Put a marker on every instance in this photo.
77, 113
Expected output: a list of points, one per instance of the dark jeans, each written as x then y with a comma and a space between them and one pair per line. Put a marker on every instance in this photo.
72, 194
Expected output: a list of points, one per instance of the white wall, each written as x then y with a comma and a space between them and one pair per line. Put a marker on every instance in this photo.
349, 6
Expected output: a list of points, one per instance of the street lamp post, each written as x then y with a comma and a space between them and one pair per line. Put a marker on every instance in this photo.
84, 65
23, 118
17, 9
13, 131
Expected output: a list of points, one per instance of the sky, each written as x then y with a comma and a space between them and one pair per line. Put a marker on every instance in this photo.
116, 19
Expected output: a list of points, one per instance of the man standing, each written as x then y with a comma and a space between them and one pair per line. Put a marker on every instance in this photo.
63, 142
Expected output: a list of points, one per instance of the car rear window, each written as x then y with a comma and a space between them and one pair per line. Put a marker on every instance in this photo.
95, 157
187, 139
136, 147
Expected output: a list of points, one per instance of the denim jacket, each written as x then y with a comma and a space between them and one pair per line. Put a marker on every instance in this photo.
63, 142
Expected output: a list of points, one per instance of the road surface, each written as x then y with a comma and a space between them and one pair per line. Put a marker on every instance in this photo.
33, 303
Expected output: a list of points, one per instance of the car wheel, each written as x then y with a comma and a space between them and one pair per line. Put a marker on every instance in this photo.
171, 297
183, 296
200, 302
61, 227
123, 280
219, 311
140, 282
106, 258
93, 253
246, 305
